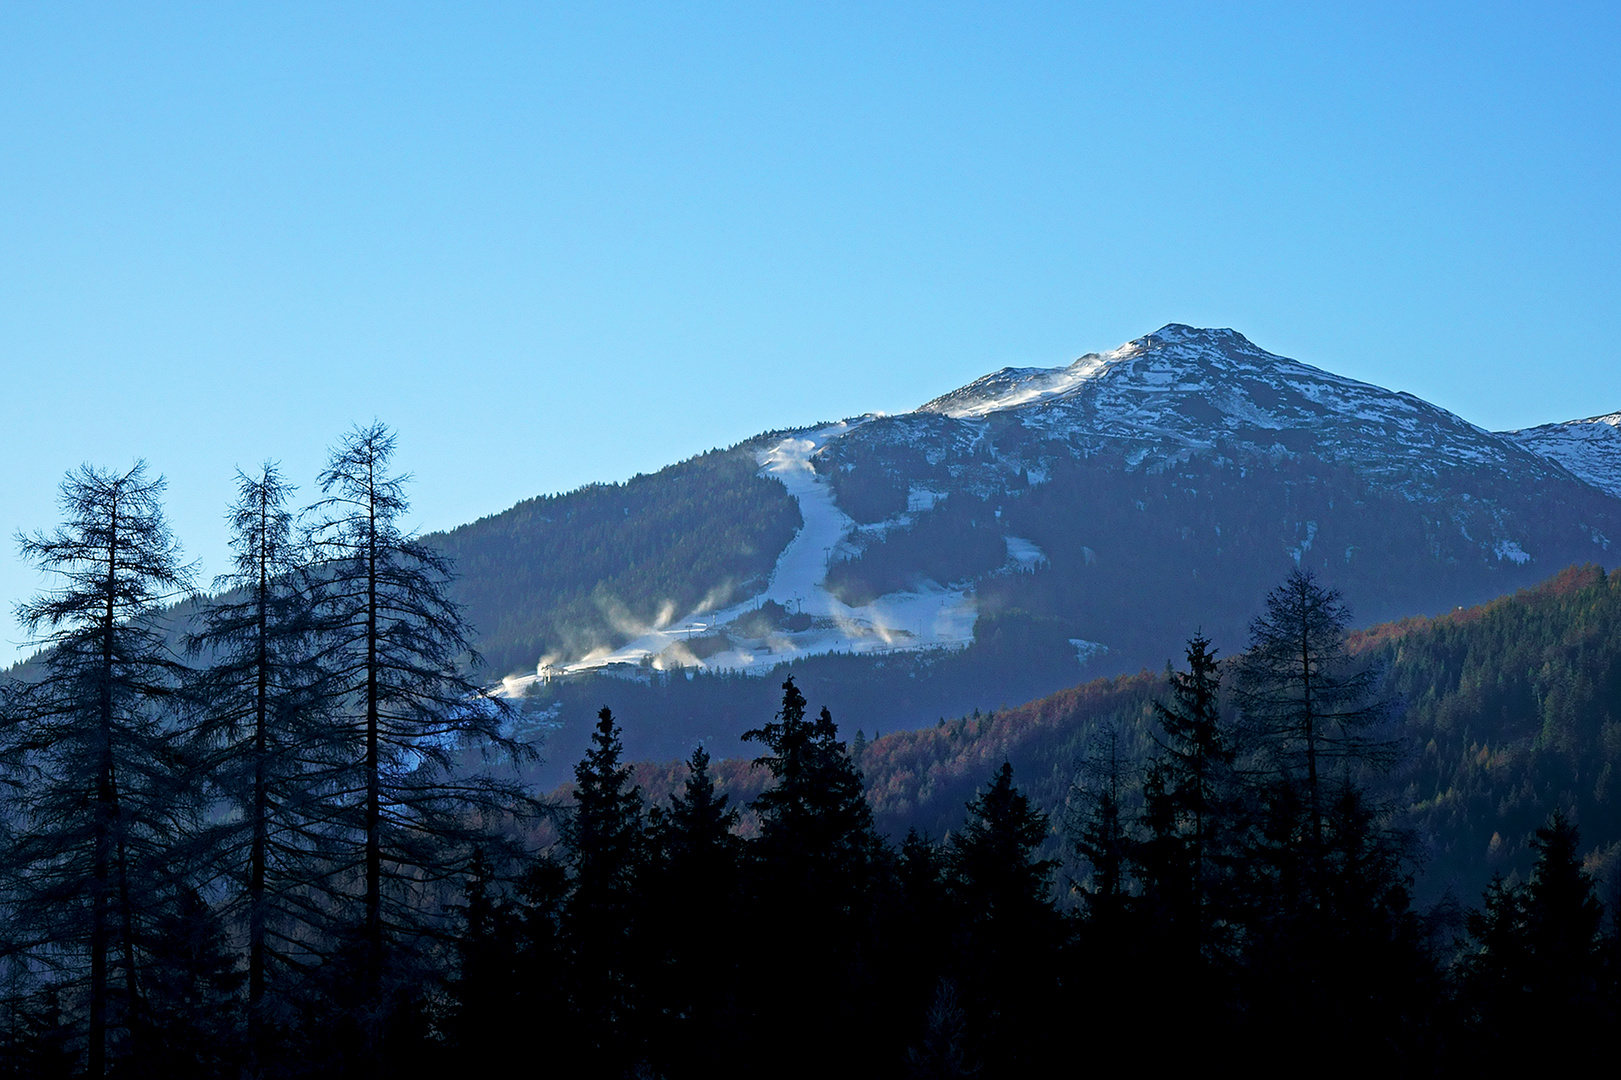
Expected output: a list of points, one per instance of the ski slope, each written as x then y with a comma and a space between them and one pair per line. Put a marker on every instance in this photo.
929, 618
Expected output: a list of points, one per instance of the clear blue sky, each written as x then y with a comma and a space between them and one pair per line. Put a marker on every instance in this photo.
552, 245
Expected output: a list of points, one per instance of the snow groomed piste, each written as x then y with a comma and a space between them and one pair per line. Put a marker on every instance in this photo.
930, 618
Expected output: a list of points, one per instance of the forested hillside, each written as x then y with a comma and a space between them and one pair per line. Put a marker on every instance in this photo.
562, 575
1512, 712
1227, 834
1138, 558
1506, 712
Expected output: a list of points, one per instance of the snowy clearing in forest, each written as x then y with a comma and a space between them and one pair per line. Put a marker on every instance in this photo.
820, 622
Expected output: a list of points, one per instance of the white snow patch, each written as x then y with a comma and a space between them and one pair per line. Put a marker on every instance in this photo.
1024, 553
1508, 549
1013, 387
932, 617
1591, 448
1086, 650
1304, 546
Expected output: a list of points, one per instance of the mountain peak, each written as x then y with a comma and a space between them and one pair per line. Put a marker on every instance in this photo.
1190, 389
1183, 334
1163, 358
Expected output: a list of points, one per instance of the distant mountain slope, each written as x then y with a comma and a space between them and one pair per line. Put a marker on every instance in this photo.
1171, 460
1591, 448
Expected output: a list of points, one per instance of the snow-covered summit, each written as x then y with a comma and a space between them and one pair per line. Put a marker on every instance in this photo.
1590, 448
1012, 388
1196, 388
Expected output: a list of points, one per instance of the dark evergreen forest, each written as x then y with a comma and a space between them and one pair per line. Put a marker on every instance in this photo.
293, 839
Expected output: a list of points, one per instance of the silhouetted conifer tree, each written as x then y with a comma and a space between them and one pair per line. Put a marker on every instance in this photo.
1331, 949
402, 710
263, 738
99, 791
1534, 981
193, 987
1012, 936
922, 920
1098, 830
487, 988
38, 1040
993, 868
814, 821
1185, 798
815, 865
692, 912
942, 1053
1303, 699
512, 972
607, 846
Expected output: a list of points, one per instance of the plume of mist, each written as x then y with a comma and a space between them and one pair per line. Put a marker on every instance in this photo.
676, 655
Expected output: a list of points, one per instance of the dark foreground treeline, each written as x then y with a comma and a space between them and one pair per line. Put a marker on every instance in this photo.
227, 839
268, 848
1241, 896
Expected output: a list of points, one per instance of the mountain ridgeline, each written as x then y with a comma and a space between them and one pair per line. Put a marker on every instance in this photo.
1014, 536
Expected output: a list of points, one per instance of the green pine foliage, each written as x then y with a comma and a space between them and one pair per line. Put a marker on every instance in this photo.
1513, 712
